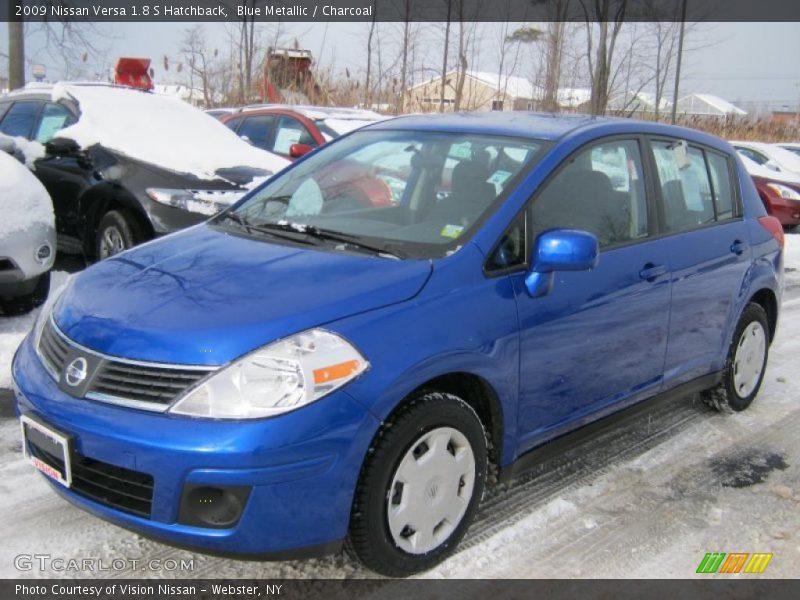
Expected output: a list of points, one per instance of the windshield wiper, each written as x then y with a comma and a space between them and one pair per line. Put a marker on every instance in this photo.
277, 230
351, 240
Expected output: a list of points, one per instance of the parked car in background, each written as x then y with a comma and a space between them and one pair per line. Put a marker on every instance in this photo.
125, 165
304, 370
780, 192
218, 113
794, 148
292, 131
770, 156
27, 235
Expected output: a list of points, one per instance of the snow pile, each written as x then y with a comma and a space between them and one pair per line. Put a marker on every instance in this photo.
160, 130
342, 126
24, 201
29, 150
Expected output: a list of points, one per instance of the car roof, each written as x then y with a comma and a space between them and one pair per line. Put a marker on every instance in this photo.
544, 126
319, 112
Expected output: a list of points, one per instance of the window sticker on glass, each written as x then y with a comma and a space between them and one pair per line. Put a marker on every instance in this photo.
451, 231
461, 151
285, 138
498, 178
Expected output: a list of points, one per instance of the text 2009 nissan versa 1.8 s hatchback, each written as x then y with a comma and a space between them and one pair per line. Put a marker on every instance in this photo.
342, 355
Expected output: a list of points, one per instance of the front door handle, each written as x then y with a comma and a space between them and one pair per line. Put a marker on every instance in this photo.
738, 247
651, 272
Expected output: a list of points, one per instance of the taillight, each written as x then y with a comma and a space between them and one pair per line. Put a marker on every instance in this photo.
774, 227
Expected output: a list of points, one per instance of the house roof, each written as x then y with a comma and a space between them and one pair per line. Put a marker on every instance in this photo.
513, 86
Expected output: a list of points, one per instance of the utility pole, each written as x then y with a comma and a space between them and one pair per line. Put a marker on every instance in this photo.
678, 64
16, 51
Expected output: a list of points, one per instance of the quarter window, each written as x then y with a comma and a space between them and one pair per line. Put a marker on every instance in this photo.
512, 249
721, 181
601, 190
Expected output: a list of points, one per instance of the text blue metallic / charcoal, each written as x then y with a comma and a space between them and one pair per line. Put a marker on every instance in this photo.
598, 341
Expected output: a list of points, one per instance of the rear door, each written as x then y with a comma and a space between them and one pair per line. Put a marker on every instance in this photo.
597, 340
708, 253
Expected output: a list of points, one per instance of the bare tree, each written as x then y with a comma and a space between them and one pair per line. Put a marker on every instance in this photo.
607, 17
445, 52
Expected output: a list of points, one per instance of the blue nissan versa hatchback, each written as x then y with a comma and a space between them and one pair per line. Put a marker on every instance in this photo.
342, 354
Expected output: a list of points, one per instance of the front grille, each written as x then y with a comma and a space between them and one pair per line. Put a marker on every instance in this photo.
149, 386
116, 487
142, 384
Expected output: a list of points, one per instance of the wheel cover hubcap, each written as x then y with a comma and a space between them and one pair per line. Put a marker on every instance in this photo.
748, 363
111, 243
431, 490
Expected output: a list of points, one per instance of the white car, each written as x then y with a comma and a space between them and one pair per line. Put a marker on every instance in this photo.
793, 147
27, 235
771, 156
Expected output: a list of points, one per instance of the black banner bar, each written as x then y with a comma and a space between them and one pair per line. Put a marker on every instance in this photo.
397, 10
712, 588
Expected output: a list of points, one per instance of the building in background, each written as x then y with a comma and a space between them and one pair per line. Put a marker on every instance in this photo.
482, 91
706, 105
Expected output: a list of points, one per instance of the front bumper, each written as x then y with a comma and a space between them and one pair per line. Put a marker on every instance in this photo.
19, 253
302, 467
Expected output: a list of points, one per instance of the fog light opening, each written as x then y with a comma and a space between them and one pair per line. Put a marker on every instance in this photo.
43, 253
212, 506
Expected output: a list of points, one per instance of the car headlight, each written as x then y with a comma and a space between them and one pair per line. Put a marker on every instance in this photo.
204, 202
45, 312
275, 379
784, 191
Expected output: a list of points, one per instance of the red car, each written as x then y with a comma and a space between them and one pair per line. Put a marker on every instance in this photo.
292, 131
781, 199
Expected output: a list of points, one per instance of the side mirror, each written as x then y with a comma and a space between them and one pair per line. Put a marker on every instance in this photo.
246, 139
298, 150
560, 250
61, 147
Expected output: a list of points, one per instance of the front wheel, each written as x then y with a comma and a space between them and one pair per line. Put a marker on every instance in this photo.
420, 486
745, 365
117, 231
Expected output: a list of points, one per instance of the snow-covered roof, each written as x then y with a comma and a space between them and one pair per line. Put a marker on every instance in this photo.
641, 101
160, 130
511, 85
706, 104
573, 97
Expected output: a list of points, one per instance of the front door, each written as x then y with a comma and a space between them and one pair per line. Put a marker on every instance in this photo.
598, 339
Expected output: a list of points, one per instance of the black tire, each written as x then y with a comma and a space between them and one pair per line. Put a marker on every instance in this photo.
370, 538
19, 305
725, 397
118, 230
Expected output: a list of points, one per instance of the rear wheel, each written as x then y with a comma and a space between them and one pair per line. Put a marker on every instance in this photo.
745, 365
24, 303
118, 230
420, 486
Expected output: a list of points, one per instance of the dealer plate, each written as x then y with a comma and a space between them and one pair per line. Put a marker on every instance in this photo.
49, 443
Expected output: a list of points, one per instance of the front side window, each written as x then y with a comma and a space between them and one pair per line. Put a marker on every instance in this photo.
685, 186
411, 194
19, 119
600, 190
54, 118
290, 132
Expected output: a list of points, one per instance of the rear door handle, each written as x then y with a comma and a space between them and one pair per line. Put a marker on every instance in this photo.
650, 271
738, 247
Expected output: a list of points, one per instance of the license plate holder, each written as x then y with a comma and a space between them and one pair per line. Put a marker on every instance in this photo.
51, 441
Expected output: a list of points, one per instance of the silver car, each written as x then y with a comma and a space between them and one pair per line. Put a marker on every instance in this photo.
27, 234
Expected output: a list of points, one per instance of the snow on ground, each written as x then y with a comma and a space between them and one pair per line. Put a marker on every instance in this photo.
138, 120
645, 500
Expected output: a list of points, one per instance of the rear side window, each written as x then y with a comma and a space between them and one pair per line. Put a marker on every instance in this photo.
54, 118
19, 119
718, 167
257, 130
600, 190
685, 186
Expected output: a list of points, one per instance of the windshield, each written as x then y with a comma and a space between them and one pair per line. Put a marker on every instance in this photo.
402, 193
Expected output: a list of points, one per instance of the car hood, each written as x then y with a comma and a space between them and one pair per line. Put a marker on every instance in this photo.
203, 296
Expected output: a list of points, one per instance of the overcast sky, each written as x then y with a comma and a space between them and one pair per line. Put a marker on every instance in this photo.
742, 62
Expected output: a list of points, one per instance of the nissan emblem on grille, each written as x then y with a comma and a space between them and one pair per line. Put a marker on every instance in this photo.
76, 371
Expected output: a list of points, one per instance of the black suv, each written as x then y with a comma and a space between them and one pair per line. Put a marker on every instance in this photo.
121, 164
